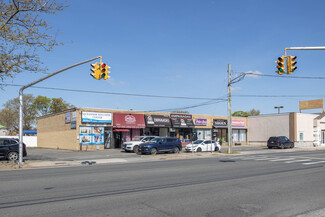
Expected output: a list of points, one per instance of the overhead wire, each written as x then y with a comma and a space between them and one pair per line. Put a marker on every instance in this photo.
237, 79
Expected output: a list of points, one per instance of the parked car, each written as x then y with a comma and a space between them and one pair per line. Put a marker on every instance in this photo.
161, 144
203, 145
9, 148
134, 144
279, 142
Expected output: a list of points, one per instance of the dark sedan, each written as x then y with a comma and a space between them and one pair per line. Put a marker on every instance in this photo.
280, 142
9, 148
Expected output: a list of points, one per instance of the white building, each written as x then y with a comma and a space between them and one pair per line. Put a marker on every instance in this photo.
306, 130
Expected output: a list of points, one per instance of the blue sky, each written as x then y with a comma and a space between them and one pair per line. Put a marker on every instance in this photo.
182, 48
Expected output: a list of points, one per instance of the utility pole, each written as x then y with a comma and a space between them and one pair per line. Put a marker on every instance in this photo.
229, 111
21, 103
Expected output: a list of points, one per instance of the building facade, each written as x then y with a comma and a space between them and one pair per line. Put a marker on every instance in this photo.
305, 130
91, 129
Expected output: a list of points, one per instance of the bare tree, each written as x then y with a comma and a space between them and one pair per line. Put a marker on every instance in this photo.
23, 31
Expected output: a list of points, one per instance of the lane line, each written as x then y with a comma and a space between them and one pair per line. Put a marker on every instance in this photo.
310, 163
294, 161
284, 159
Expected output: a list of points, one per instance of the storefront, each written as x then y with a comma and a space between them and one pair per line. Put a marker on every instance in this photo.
199, 132
95, 129
126, 127
157, 125
220, 130
182, 126
239, 131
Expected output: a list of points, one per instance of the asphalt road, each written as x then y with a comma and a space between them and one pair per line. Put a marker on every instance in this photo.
269, 184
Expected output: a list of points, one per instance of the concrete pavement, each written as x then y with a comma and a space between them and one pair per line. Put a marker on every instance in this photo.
40, 157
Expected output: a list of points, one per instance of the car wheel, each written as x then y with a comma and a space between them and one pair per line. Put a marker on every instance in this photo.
136, 149
216, 148
153, 151
269, 147
282, 146
199, 149
12, 155
176, 150
292, 146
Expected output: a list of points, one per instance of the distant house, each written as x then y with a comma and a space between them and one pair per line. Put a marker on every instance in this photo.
3, 131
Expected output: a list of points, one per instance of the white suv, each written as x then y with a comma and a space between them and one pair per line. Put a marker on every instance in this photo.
134, 144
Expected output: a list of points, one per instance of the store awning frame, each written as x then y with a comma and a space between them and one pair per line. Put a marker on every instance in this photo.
121, 130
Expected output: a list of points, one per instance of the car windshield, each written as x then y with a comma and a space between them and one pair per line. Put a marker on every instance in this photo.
197, 141
138, 138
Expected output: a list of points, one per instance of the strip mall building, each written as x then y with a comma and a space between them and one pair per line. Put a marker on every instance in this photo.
91, 129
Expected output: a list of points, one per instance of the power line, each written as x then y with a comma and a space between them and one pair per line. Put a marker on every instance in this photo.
278, 96
115, 93
193, 106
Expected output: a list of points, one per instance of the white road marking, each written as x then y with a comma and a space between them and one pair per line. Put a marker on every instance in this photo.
294, 161
284, 159
316, 162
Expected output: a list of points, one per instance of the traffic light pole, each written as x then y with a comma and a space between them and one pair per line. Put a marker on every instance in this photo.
21, 102
302, 48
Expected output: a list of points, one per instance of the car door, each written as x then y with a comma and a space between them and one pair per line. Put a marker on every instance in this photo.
170, 144
162, 145
287, 142
205, 145
5, 146
2, 147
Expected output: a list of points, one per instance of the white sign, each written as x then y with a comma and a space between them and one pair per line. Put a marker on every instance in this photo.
95, 117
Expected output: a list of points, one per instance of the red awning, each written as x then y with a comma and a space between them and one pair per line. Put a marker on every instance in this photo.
121, 130
128, 121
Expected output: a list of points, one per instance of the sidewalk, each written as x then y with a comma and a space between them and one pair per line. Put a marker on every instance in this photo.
41, 158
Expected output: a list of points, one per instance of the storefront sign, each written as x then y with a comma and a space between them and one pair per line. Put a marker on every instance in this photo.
73, 125
182, 120
220, 122
95, 117
67, 117
157, 121
128, 120
200, 122
238, 123
74, 116
181, 116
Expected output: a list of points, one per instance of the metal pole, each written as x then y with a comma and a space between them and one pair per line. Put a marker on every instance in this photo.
303, 48
229, 111
21, 103
20, 127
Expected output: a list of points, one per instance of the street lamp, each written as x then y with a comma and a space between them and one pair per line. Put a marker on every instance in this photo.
278, 107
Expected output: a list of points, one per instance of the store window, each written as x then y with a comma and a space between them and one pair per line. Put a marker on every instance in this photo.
239, 135
202, 133
222, 134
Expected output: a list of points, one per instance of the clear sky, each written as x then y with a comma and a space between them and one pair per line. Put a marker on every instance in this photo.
183, 48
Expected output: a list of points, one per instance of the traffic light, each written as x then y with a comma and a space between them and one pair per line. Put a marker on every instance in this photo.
280, 66
291, 64
104, 71
96, 70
